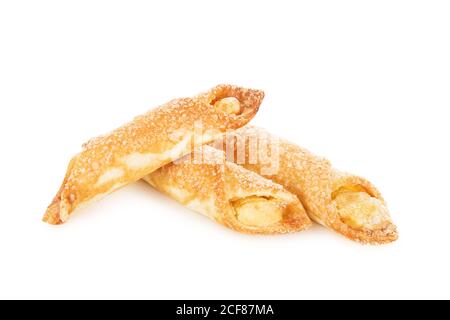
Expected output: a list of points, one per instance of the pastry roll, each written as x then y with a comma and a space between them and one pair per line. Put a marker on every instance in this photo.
229, 194
340, 201
147, 143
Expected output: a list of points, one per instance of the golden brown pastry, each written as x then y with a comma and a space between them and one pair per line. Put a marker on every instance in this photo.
150, 141
229, 194
343, 202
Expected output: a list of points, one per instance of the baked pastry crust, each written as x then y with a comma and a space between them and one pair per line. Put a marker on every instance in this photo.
147, 143
346, 203
230, 194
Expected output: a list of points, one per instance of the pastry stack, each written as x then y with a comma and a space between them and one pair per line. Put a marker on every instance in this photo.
201, 152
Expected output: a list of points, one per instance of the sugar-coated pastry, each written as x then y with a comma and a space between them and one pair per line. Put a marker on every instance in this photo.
230, 194
147, 143
340, 201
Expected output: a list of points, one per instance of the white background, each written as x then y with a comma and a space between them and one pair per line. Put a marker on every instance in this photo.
364, 83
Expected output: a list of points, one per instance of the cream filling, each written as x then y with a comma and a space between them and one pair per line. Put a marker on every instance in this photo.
259, 211
229, 105
359, 210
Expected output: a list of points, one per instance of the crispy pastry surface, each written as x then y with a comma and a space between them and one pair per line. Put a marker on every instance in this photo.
230, 194
340, 201
145, 144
